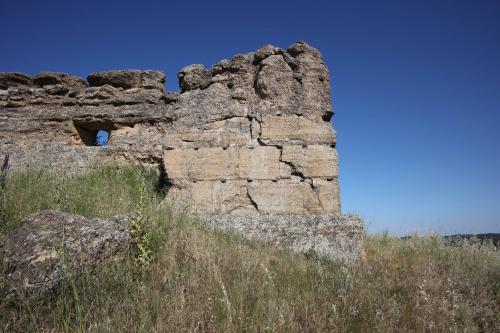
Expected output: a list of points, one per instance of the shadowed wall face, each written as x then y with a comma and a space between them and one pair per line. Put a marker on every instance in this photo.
251, 134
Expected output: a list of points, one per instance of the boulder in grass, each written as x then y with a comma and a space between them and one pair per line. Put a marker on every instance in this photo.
48, 245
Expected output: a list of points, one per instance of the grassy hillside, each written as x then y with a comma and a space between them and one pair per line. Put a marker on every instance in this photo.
197, 279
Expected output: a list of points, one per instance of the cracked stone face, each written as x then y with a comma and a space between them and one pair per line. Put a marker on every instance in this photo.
252, 134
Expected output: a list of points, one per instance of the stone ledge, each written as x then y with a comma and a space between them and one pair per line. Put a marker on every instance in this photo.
339, 237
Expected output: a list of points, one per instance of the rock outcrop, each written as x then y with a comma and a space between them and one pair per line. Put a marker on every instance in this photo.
251, 135
50, 245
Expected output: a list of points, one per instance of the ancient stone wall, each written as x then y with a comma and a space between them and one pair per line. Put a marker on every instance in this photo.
250, 135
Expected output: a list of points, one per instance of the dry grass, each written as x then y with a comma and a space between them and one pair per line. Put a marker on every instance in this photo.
205, 280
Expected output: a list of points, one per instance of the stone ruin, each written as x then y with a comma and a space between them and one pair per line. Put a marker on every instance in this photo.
248, 143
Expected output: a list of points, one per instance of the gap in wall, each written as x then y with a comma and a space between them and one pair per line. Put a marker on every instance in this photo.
87, 131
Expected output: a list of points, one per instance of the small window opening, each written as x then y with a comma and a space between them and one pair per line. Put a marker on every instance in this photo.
93, 133
102, 138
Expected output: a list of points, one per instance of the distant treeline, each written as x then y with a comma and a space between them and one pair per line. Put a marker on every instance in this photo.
494, 237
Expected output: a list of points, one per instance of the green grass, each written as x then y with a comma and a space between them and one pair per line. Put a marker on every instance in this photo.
100, 192
206, 280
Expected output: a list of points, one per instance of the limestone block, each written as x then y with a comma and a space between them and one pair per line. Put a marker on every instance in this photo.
328, 192
221, 164
281, 130
201, 196
233, 131
214, 196
228, 196
284, 196
224, 133
213, 164
312, 161
201, 164
261, 162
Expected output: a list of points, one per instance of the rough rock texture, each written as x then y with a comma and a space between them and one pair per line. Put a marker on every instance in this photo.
48, 245
250, 135
194, 77
128, 79
338, 236
14, 80
68, 81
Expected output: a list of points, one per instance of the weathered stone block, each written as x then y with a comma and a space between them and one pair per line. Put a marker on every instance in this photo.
201, 164
282, 130
229, 132
312, 161
261, 162
221, 164
284, 196
214, 196
328, 193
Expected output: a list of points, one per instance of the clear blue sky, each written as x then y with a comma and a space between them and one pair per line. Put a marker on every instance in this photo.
416, 84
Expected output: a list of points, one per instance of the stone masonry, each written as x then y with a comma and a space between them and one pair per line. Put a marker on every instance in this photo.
251, 135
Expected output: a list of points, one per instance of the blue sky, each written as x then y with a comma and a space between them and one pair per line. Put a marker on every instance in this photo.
415, 84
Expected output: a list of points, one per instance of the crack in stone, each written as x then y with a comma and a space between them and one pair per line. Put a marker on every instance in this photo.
304, 179
252, 201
